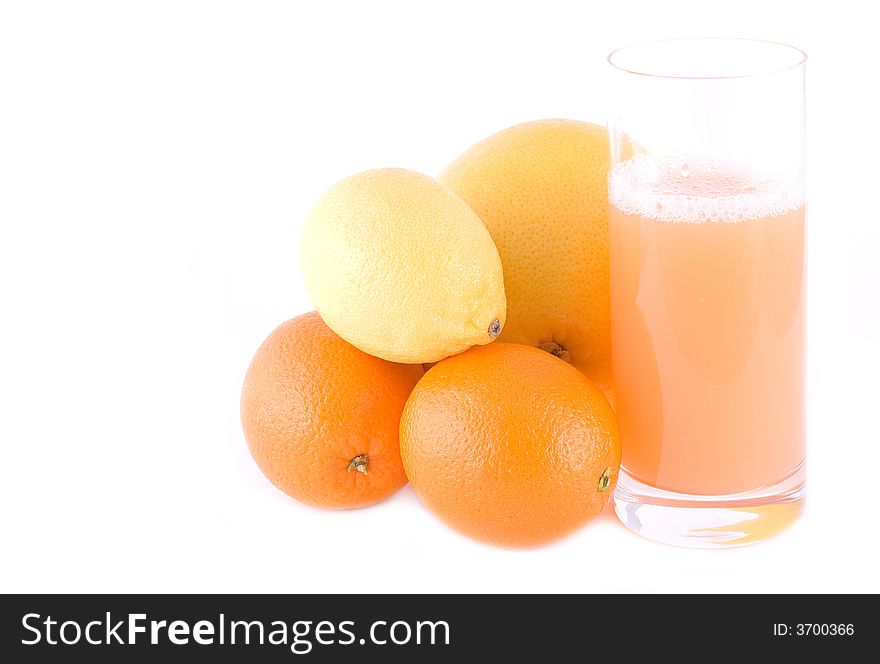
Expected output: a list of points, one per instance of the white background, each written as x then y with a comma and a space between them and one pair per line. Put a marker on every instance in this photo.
156, 162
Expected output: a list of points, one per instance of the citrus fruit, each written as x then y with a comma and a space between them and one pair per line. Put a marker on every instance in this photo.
321, 417
510, 445
541, 190
402, 268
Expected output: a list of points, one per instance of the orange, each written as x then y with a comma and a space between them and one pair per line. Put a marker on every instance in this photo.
541, 190
321, 417
510, 445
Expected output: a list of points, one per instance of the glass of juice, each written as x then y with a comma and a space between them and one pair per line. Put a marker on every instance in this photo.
706, 200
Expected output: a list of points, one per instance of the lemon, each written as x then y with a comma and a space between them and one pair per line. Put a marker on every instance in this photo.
400, 267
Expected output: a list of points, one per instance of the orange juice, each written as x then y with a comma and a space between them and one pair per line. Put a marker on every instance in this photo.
707, 297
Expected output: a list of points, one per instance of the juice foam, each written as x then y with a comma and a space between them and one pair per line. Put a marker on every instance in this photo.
688, 191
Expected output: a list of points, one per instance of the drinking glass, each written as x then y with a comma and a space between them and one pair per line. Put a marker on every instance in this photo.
706, 194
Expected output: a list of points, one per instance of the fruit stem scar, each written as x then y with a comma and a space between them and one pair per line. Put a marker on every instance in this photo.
494, 328
605, 480
359, 463
556, 350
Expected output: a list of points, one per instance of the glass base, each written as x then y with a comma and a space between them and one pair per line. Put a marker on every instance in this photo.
709, 522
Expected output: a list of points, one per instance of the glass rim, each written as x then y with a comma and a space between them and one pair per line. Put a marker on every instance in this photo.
797, 58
